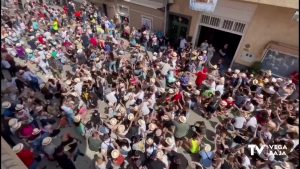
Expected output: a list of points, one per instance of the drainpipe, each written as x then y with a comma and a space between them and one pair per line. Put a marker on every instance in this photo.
166, 16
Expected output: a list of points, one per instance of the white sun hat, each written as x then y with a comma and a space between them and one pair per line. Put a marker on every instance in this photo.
121, 129
16, 126
141, 122
12, 122
182, 119
46, 141
149, 141
223, 103
115, 154
130, 116
159, 154
6, 105
230, 99
19, 107
113, 121
77, 80
266, 80
171, 91
237, 71
18, 148
152, 126
68, 82
197, 92
207, 148
169, 141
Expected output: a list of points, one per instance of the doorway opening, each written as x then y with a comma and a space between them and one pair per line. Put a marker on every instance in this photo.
178, 26
218, 39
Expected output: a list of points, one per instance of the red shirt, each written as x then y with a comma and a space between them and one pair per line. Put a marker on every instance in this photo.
41, 40
94, 42
78, 14
119, 161
177, 97
27, 157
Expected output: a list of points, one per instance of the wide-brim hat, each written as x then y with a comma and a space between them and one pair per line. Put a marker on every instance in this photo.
68, 82
121, 129
38, 108
266, 80
113, 121
141, 122
6, 105
207, 148
160, 154
152, 80
237, 71
152, 126
19, 107
17, 126
18, 148
12, 122
77, 80
149, 141
115, 153
255, 81
174, 54
230, 99
182, 119
169, 141
171, 91
46, 141
36, 131
130, 116
197, 92
77, 119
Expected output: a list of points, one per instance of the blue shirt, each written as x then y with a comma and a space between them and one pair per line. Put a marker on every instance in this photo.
35, 25
8, 112
107, 48
206, 158
67, 110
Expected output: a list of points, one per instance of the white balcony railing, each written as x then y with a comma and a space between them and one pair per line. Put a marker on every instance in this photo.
207, 6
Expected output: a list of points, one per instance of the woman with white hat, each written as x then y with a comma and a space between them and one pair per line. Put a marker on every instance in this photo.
26, 156
207, 156
80, 128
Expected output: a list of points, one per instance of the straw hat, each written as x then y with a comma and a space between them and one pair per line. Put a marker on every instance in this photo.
122, 110
273, 80
19, 107
79, 51
197, 92
149, 141
269, 72
162, 90
152, 80
18, 148
237, 71
17, 126
36, 131
77, 80
77, 118
141, 122
174, 54
113, 121
6, 105
68, 82
255, 81
27, 50
171, 91
135, 108
154, 54
46, 141
169, 141
12, 122
230, 99
182, 119
38, 109
18, 44
159, 154
215, 66
130, 116
204, 51
152, 126
223, 103
115, 154
266, 80
121, 129
207, 148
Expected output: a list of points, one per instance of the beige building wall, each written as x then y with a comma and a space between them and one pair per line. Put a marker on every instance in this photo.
182, 7
269, 23
135, 13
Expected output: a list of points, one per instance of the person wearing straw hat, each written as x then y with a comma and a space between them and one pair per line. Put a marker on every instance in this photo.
48, 147
94, 142
25, 155
118, 159
181, 129
9, 109
80, 129
206, 156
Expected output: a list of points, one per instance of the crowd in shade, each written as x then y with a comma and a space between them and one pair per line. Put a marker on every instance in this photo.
149, 91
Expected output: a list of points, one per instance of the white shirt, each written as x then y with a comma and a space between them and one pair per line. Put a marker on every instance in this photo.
252, 122
239, 122
78, 88
246, 162
144, 108
182, 43
220, 88
140, 95
165, 68
111, 97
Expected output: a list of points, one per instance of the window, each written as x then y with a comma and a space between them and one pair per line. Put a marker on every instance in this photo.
147, 22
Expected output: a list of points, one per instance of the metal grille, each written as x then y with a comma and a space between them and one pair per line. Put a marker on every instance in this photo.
227, 24
215, 21
239, 27
205, 19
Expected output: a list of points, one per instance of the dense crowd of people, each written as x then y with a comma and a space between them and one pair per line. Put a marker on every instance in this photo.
149, 91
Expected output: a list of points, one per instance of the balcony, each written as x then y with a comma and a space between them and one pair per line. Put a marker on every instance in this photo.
9, 160
207, 6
